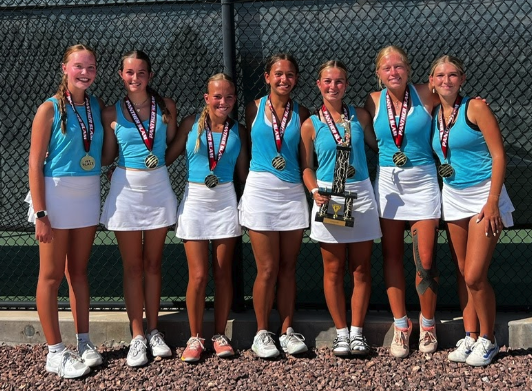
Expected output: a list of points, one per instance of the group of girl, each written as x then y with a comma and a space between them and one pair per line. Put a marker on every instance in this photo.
403, 122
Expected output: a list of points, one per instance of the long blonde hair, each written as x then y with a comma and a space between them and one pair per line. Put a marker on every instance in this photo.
448, 59
205, 111
63, 86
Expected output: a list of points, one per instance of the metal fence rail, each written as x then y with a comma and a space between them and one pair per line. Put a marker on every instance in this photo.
186, 39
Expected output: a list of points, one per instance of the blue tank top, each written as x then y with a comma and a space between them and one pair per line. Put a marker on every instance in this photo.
325, 146
198, 163
65, 151
416, 141
131, 148
467, 151
263, 148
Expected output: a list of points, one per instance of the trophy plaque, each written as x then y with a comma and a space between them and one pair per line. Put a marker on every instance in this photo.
342, 169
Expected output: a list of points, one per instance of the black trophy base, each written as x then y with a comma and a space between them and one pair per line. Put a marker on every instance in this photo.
329, 218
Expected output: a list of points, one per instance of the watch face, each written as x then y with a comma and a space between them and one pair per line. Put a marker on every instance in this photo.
40, 214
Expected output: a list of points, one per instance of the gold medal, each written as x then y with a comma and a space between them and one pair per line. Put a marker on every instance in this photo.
279, 163
151, 161
211, 181
87, 162
446, 170
399, 159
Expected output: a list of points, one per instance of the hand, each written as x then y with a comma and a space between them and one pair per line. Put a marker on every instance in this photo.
320, 199
492, 218
43, 230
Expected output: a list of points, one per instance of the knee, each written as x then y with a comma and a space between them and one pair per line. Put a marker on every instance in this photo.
152, 266
133, 271
287, 270
333, 274
474, 281
268, 273
198, 279
77, 276
362, 273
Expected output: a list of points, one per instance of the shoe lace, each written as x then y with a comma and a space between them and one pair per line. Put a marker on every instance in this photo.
67, 357
84, 346
428, 337
266, 338
295, 338
360, 340
341, 339
195, 342
222, 340
156, 339
136, 346
400, 337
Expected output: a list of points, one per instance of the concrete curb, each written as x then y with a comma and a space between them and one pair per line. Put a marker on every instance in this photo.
112, 328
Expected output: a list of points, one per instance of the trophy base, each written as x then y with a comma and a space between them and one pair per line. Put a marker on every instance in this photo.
338, 220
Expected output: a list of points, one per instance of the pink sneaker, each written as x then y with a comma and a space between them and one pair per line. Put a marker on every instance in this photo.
193, 350
222, 346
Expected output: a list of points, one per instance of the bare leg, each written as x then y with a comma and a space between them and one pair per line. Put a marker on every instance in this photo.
394, 275
52, 260
286, 279
78, 254
152, 254
266, 251
198, 274
360, 270
130, 246
223, 283
333, 281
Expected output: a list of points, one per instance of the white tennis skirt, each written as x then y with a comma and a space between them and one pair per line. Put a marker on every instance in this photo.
408, 193
139, 200
71, 201
270, 204
458, 204
207, 214
367, 224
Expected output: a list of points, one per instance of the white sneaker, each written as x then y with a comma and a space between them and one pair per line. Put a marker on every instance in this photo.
89, 354
157, 345
464, 347
400, 346
264, 346
341, 346
67, 364
358, 345
483, 352
136, 356
292, 343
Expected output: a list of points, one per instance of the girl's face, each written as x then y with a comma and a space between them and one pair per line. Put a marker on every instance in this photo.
135, 74
393, 71
282, 77
80, 70
332, 84
446, 80
220, 98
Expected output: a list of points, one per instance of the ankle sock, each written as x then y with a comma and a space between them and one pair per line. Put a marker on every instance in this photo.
355, 331
427, 323
401, 323
82, 337
344, 332
56, 349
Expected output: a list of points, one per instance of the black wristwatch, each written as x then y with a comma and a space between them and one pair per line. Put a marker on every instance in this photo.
40, 214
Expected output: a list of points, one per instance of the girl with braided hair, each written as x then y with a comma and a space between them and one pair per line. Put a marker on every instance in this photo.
64, 198
141, 204
214, 145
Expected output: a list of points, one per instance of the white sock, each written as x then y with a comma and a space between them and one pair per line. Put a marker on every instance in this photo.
355, 331
82, 337
342, 332
427, 323
58, 348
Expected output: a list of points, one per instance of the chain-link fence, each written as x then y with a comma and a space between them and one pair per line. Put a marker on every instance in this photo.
188, 42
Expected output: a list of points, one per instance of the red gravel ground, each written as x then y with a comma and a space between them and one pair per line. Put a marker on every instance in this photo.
22, 368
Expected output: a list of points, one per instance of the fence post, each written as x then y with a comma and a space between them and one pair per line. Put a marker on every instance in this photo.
229, 54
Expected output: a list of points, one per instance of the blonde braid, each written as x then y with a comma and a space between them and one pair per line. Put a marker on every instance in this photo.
61, 90
201, 126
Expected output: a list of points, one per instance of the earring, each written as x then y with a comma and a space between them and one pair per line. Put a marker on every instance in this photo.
433, 90
460, 88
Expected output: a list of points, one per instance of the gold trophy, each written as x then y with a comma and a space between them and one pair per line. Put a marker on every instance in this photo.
342, 171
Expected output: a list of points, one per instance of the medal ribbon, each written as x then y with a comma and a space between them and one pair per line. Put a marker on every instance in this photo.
397, 132
213, 160
446, 128
332, 125
278, 131
86, 135
147, 137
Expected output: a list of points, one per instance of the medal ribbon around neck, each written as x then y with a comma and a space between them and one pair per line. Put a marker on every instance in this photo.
86, 135
397, 132
445, 129
213, 160
278, 131
332, 125
147, 137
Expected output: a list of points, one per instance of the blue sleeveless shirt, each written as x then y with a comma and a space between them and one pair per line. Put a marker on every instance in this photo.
416, 141
198, 163
325, 146
65, 151
263, 148
131, 148
467, 151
